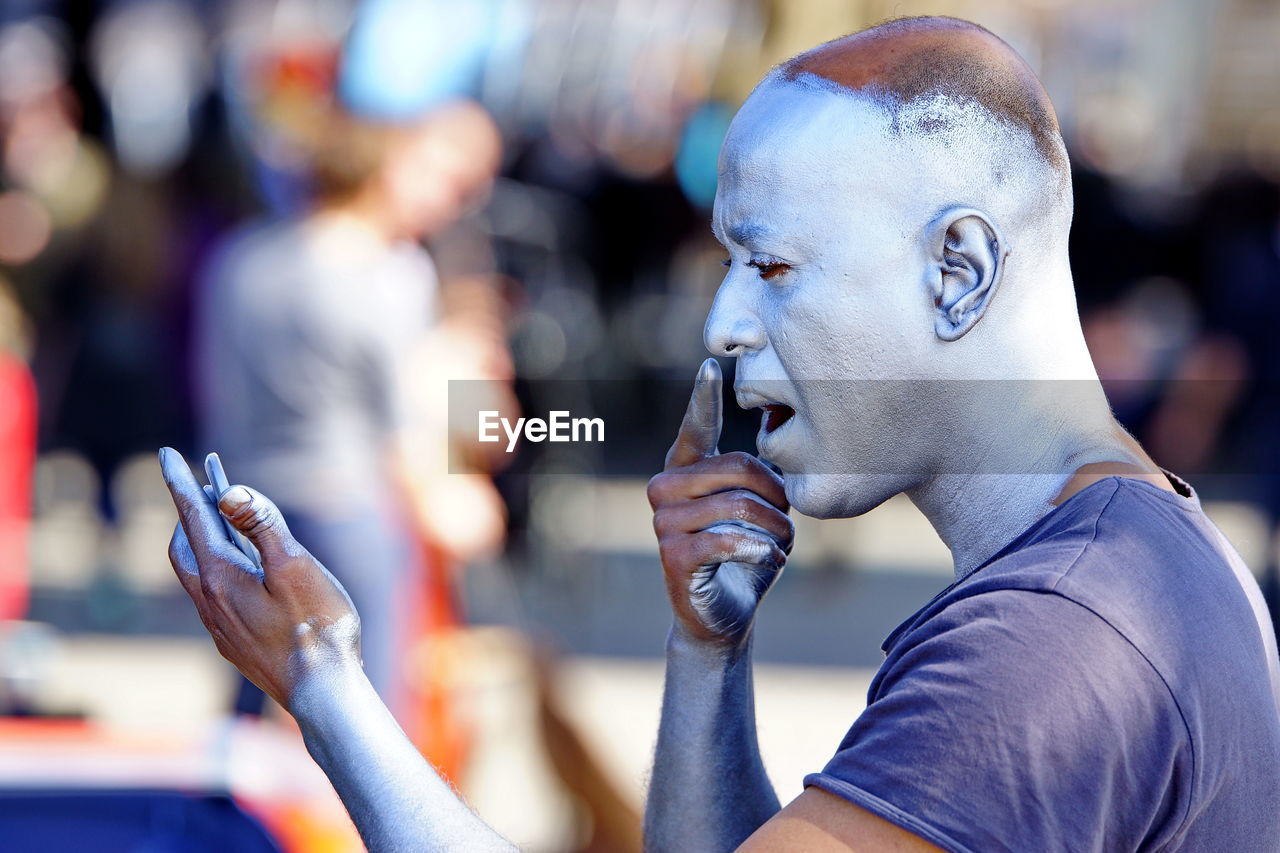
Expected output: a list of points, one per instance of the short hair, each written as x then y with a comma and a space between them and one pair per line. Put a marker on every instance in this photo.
343, 154
908, 59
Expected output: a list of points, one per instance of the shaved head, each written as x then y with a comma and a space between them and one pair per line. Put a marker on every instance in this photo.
895, 205
912, 58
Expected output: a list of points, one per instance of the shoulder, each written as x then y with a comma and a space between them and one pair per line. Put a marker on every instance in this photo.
251, 247
1099, 549
1006, 636
249, 270
1159, 572
414, 263
1034, 657
1064, 672
1007, 697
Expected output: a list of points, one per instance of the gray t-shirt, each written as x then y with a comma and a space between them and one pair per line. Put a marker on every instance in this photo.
304, 332
1108, 682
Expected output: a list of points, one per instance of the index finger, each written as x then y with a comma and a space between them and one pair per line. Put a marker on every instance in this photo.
199, 518
700, 430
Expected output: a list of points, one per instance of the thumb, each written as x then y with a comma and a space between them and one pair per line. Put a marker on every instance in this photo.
700, 430
253, 514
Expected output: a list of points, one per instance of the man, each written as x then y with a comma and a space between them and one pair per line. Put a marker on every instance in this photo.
895, 205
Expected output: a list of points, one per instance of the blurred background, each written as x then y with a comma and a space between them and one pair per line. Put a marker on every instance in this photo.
278, 228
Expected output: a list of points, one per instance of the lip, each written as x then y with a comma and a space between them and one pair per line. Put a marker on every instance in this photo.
750, 398
777, 415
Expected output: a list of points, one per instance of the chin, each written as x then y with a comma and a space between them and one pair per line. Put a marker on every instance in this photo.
839, 495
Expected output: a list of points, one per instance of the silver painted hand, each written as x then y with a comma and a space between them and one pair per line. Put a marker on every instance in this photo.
723, 532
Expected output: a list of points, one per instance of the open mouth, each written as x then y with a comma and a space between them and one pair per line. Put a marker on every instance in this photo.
775, 415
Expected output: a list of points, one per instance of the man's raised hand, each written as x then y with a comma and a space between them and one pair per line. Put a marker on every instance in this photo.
278, 626
721, 521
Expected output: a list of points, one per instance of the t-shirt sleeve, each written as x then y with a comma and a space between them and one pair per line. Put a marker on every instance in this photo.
1017, 721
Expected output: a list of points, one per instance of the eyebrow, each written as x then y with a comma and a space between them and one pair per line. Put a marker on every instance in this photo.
743, 233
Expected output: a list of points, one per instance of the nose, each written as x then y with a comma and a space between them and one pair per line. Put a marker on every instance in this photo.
732, 328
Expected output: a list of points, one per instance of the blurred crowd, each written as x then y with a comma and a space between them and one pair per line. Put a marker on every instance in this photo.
277, 228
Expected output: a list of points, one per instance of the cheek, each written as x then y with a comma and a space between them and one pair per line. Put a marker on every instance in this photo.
849, 328
814, 329
866, 427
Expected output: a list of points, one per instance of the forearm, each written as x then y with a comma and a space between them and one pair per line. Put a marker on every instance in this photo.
397, 801
709, 790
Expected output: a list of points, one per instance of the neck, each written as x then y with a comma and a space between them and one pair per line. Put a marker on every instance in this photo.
977, 515
1007, 474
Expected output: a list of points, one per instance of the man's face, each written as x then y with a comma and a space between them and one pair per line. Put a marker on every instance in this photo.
825, 302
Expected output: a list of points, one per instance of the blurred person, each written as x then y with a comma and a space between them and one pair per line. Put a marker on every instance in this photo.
1100, 676
17, 455
306, 331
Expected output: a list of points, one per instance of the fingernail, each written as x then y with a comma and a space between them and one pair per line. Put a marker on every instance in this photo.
161, 454
708, 371
233, 499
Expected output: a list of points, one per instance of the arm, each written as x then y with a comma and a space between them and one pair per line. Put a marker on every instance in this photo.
709, 789
723, 535
818, 822
397, 801
293, 631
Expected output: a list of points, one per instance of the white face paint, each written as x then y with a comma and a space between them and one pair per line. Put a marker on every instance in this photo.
823, 210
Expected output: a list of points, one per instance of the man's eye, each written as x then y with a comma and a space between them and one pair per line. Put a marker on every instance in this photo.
727, 262
769, 270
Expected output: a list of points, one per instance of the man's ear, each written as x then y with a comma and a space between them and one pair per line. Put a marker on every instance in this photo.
966, 264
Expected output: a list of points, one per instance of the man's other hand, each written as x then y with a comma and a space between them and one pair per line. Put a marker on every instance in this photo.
722, 525
290, 621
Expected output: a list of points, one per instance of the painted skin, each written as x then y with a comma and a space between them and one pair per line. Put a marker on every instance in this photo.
876, 263
856, 286
293, 631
